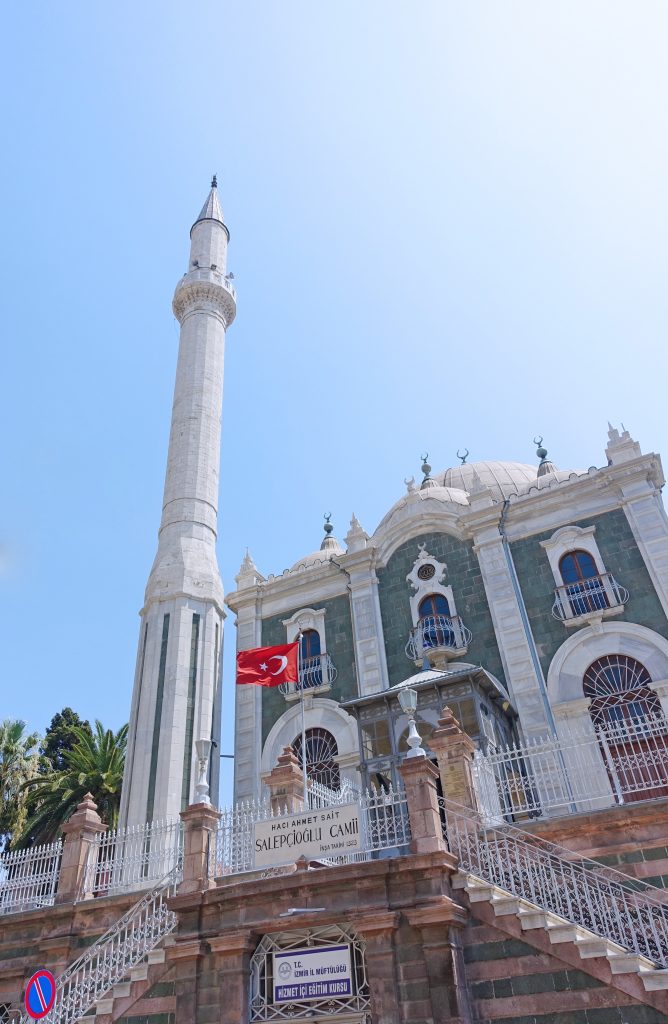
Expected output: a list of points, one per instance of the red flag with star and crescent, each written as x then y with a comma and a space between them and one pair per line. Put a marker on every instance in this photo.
268, 666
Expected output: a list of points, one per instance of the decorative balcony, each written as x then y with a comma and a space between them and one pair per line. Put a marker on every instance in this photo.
317, 673
596, 597
438, 638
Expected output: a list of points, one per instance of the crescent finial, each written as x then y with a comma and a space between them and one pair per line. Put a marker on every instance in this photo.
463, 456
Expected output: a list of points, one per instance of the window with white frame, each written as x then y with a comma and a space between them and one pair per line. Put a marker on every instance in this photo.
583, 586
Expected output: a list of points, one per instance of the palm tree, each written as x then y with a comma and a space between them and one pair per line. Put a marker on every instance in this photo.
93, 765
18, 763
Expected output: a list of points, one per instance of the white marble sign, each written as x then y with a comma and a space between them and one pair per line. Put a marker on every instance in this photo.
327, 832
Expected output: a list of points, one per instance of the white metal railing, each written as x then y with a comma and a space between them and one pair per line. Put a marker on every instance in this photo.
313, 672
437, 633
609, 904
594, 594
114, 954
384, 825
580, 771
134, 858
29, 878
320, 795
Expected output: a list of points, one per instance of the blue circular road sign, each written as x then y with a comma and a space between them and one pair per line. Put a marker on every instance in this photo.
40, 994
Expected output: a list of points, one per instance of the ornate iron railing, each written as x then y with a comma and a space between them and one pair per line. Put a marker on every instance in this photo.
626, 911
110, 959
581, 771
594, 594
123, 860
438, 633
384, 825
313, 672
29, 878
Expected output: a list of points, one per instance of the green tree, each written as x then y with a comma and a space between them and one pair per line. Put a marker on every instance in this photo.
93, 765
59, 738
18, 763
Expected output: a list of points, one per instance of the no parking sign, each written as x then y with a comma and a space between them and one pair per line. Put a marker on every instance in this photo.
40, 994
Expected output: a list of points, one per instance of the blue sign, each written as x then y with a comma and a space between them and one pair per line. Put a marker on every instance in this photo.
40, 994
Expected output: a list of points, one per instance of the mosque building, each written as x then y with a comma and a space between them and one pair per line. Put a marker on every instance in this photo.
456, 812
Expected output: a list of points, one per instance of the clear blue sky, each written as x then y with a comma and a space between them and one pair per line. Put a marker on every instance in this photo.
448, 230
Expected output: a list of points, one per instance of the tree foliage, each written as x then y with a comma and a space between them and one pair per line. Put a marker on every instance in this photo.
59, 738
94, 764
18, 764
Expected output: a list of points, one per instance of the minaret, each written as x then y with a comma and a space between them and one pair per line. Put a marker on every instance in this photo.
176, 696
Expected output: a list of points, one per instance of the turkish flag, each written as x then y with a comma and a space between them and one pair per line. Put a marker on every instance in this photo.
268, 666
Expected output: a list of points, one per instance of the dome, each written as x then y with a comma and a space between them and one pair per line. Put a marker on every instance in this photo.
330, 548
501, 478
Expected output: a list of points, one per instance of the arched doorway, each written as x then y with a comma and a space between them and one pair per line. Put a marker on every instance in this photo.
321, 757
631, 728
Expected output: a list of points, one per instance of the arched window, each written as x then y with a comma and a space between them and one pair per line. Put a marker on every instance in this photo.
434, 604
619, 691
630, 726
321, 754
584, 585
310, 644
436, 624
310, 660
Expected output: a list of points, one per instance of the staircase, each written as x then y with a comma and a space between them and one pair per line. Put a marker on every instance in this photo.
598, 910
121, 966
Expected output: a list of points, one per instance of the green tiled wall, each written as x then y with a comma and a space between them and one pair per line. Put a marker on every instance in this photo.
620, 556
339, 638
463, 575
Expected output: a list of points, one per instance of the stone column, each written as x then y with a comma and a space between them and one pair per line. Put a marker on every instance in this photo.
232, 955
454, 751
370, 659
439, 925
81, 832
199, 823
420, 776
286, 784
661, 690
513, 634
187, 957
377, 930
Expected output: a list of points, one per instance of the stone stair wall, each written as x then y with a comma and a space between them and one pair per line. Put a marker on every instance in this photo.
519, 971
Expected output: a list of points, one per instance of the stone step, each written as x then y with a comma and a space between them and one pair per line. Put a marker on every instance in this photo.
156, 956
122, 989
655, 981
591, 945
459, 880
105, 1005
479, 891
532, 919
564, 931
139, 973
505, 904
629, 963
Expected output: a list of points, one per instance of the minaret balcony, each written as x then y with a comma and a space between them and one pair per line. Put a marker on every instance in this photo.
589, 600
315, 675
439, 638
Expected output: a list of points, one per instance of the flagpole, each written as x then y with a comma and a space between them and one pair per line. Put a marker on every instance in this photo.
301, 699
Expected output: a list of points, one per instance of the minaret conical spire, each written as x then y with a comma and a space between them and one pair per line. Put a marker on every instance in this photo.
212, 209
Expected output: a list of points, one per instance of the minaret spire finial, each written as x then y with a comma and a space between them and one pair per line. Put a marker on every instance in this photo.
214, 181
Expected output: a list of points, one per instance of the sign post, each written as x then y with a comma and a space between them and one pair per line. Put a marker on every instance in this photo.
40, 994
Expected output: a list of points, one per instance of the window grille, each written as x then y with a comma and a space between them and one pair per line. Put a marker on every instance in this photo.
619, 689
321, 754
